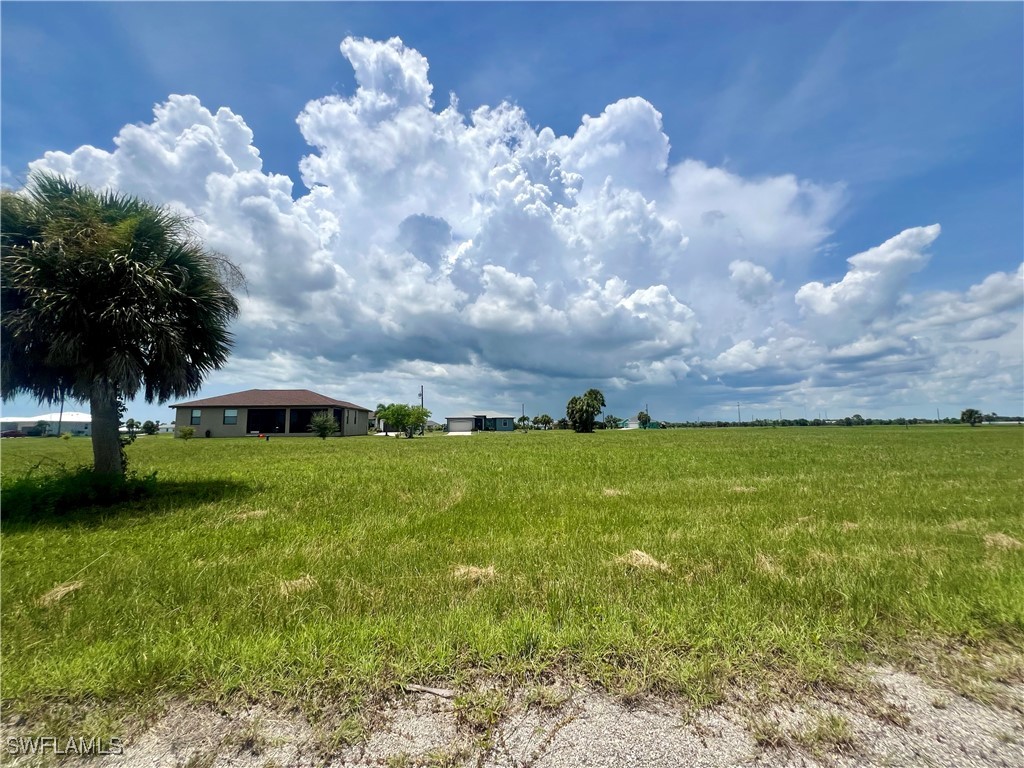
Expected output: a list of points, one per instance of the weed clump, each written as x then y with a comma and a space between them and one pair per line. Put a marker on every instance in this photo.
474, 574
641, 561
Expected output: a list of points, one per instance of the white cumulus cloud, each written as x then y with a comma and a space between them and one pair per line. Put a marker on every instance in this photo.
498, 261
754, 284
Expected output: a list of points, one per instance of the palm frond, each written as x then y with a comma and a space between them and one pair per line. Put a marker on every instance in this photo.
106, 287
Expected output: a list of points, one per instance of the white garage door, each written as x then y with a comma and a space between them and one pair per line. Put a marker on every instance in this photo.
460, 425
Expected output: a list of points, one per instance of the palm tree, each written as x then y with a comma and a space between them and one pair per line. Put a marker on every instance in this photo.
381, 417
582, 410
105, 295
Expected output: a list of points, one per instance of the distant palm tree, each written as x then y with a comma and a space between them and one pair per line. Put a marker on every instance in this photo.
104, 295
971, 416
581, 411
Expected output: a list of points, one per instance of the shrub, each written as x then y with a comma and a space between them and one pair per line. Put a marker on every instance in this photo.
187, 433
324, 424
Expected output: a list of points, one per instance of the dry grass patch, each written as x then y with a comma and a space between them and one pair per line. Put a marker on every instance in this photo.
743, 489
961, 525
454, 496
474, 574
641, 561
251, 514
611, 492
822, 556
766, 564
1002, 541
804, 523
59, 591
297, 586
849, 525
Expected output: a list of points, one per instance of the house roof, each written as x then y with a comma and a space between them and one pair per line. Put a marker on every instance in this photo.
270, 398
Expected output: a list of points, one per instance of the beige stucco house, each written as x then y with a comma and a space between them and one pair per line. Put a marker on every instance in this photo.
267, 411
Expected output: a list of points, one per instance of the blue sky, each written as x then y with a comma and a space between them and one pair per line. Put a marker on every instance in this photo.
800, 136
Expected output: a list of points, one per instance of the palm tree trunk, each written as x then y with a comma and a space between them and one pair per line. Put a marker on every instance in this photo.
106, 440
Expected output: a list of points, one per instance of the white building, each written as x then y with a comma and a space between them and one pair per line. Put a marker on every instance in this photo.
73, 422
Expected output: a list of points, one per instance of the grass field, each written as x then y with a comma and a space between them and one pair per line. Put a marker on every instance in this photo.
303, 568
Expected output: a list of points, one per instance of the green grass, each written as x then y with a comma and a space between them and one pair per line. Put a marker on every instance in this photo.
311, 569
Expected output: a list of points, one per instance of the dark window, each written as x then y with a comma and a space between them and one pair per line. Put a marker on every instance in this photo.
196, 416
230, 415
300, 418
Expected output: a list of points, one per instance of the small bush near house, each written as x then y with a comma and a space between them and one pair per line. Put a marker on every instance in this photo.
186, 433
323, 424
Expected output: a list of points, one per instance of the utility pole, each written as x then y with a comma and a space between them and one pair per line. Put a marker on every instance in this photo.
739, 418
780, 414
423, 429
937, 417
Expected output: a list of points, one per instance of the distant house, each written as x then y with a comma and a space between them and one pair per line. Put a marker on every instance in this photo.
481, 423
635, 424
267, 411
